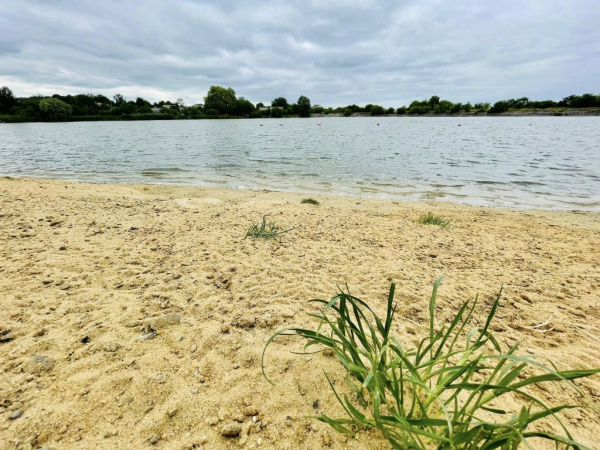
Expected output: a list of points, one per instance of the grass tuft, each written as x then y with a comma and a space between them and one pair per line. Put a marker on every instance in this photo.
434, 219
265, 230
442, 394
310, 201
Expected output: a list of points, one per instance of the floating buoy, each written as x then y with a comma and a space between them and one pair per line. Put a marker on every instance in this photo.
459, 125
377, 124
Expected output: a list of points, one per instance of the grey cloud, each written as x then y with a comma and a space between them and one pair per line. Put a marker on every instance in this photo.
336, 52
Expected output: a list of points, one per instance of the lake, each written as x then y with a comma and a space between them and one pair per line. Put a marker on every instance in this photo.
517, 162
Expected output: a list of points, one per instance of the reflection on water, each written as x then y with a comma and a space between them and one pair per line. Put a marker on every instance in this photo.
541, 162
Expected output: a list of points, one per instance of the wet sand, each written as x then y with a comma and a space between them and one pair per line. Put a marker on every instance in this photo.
135, 316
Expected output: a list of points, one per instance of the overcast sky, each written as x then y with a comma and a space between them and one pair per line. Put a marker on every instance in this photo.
335, 52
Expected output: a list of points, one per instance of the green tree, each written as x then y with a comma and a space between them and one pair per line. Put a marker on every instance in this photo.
281, 102
7, 99
456, 108
276, 113
499, 107
140, 102
318, 109
304, 106
347, 112
220, 98
443, 107
389, 111
434, 101
53, 109
401, 110
119, 99
243, 107
377, 110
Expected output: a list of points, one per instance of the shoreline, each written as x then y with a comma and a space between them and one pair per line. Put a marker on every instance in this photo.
550, 112
87, 267
307, 192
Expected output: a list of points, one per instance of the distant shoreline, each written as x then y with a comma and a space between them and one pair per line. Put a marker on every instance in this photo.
550, 112
558, 112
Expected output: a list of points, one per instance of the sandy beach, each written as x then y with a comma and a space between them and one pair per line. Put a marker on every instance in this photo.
135, 316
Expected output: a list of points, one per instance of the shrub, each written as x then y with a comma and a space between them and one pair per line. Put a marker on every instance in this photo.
377, 110
310, 201
347, 112
434, 219
265, 230
441, 394
499, 107
53, 109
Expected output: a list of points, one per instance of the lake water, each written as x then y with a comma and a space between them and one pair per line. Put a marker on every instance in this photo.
521, 162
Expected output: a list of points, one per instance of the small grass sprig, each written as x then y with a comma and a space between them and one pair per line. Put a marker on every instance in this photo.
310, 201
434, 219
265, 230
439, 395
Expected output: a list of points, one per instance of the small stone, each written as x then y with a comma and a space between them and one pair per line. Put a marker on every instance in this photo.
6, 336
193, 348
111, 347
231, 429
288, 313
212, 421
15, 414
164, 321
236, 366
526, 298
172, 411
110, 433
259, 441
148, 336
250, 411
531, 351
225, 329
246, 322
154, 440
38, 363
326, 439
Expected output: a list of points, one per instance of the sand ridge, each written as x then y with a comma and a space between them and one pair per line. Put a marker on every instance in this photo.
137, 315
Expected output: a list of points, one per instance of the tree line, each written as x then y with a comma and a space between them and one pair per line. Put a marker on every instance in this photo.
221, 102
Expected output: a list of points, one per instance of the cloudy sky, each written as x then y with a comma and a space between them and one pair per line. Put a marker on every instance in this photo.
334, 51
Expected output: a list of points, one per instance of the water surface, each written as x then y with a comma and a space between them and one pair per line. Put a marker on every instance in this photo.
522, 162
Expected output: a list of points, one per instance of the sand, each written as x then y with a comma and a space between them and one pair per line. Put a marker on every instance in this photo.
88, 271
